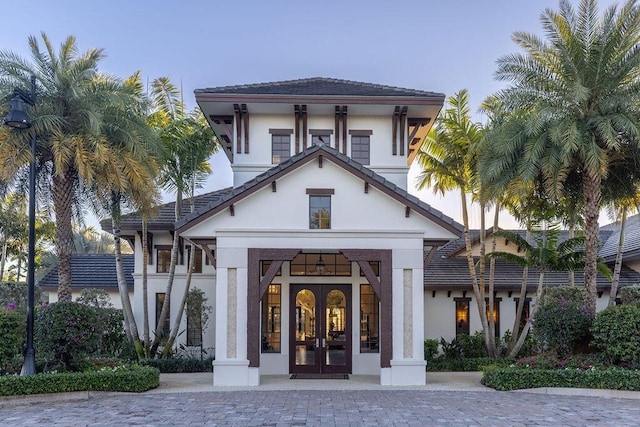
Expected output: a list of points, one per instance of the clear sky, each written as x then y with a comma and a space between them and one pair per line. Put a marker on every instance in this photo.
440, 46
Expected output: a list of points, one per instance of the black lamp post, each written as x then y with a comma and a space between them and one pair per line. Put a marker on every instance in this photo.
18, 119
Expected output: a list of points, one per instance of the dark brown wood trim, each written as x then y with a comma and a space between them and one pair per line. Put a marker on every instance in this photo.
320, 131
280, 131
131, 240
337, 126
356, 132
461, 299
254, 256
407, 211
384, 256
403, 125
149, 246
204, 245
366, 187
273, 187
245, 119
320, 162
296, 114
269, 275
226, 122
163, 247
396, 115
320, 191
238, 115
232, 210
304, 127
338, 162
428, 257
344, 129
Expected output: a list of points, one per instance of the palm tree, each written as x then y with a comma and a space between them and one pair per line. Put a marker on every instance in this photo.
188, 143
547, 255
447, 160
68, 123
580, 90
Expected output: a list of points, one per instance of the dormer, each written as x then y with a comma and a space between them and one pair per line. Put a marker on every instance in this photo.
261, 125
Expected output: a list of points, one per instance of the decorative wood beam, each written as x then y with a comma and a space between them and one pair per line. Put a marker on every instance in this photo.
210, 253
232, 210
366, 187
403, 122
273, 186
226, 123
428, 257
344, 129
433, 294
238, 117
296, 114
269, 275
337, 126
149, 246
407, 211
245, 119
395, 120
304, 127
320, 162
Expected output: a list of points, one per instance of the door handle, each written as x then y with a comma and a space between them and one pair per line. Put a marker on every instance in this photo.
324, 342
317, 342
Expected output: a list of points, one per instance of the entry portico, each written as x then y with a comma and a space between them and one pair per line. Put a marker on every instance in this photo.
319, 268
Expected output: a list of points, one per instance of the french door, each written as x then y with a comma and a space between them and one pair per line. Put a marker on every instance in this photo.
320, 329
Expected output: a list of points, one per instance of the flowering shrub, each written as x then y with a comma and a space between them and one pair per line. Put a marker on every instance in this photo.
616, 333
65, 333
562, 321
12, 334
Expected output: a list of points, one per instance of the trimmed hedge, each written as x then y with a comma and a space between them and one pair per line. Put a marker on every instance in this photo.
505, 379
465, 365
173, 366
137, 379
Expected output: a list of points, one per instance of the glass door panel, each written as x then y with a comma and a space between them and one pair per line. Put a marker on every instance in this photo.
305, 328
336, 334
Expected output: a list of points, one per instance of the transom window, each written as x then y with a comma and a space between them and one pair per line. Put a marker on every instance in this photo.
320, 265
319, 212
360, 149
280, 148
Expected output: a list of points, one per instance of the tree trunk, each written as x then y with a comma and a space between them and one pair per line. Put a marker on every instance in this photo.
618, 265
130, 322
145, 289
572, 234
592, 192
520, 308
62, 193
5, 244
482, 306
527, 326
164, 313
492, 268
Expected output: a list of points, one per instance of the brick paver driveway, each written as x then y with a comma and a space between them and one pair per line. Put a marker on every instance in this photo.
341, 408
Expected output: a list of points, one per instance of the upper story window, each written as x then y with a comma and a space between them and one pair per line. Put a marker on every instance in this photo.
360, 149
163, 257
320, 207
197, 266
280, 145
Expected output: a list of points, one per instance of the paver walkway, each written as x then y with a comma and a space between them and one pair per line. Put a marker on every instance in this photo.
449, 399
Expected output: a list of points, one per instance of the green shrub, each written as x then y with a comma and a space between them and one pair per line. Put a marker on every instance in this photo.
466, 364
16, 294
553, 361
113, 339
629, 294
65, 333
131, 379
562, 321
169, 366
505, 379
616, 334
451, 350
473, 345
12, 334
430, 349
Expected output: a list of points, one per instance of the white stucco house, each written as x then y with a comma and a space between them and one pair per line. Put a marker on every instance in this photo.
317, 260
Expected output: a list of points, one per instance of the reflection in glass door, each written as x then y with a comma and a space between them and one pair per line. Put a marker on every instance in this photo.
321, 329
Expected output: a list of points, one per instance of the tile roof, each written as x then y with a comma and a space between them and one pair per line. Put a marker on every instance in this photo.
319, 86
91, 271
631, 238
448, 272
346, 161
165, 215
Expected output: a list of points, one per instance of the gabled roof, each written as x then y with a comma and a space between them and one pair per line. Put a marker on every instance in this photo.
319, 86
341, 160
165, 217
631, 248
92, 271
446, 271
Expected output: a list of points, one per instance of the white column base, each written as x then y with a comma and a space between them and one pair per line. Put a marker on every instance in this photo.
404, 372
235, 373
